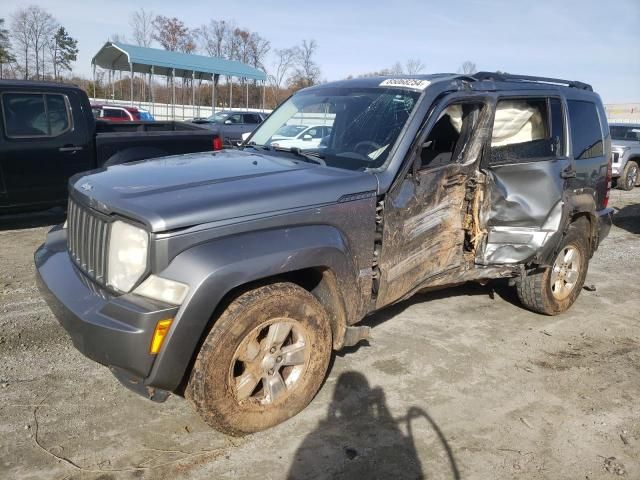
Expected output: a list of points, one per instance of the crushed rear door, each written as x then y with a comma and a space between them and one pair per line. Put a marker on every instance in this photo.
526, 171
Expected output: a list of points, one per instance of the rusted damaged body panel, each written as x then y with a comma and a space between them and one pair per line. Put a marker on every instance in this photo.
523, 211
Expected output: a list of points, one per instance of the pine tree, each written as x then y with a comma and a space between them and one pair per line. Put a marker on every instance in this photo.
65, 51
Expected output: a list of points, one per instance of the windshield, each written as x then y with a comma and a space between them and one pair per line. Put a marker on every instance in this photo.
290, 130
353, 128
218, 117
619, 132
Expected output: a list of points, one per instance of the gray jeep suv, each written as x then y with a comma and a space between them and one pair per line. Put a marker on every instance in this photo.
230, 276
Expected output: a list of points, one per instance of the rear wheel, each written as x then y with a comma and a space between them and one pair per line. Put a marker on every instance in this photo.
554, 289
629, 177
263, 361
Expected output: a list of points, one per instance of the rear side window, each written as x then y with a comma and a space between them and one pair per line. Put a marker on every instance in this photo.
251, 118
111, 113
586, 136
523, 132
33, 115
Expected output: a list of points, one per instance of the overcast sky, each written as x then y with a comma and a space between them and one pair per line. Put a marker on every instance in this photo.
589, 40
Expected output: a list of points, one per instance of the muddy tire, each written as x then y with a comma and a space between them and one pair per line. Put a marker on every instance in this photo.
553, 290
629, 177
263, 361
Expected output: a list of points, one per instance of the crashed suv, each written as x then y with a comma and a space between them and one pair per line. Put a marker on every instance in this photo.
229, 277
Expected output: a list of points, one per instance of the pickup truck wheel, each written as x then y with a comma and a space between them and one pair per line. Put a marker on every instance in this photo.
629, 177
263, 361
554, 289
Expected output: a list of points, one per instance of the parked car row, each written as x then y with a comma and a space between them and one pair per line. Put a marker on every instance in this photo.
232, 124
115, 113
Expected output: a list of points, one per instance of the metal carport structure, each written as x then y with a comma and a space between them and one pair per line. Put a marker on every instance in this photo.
116, 56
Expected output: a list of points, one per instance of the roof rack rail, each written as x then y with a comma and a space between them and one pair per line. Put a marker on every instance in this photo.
508, 77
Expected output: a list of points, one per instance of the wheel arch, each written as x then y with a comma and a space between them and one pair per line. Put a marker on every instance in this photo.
225, 269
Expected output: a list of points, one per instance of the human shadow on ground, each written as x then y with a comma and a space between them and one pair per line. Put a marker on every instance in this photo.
628, 218
360, 438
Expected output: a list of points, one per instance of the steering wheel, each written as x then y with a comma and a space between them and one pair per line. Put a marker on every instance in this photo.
366, 143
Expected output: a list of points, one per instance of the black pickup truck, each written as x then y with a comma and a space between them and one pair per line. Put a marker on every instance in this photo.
48, 134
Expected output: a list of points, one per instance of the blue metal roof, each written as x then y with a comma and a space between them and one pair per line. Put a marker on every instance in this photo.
119, 56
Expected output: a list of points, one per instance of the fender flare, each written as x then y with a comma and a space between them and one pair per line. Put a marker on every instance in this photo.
214, 269
576, 204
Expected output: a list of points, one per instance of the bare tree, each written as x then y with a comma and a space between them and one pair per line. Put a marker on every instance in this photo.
285, 61
413, 66
32, 31
6, 57
468, 68
307, 70
173, 34
141, 23
118, 38
42, 27
21, 35
259, 47
213, 38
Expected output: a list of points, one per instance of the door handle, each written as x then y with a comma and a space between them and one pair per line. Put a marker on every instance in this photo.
69, 148
568, 173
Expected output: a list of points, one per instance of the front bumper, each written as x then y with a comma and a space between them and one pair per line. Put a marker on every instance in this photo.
112, 330
605, 220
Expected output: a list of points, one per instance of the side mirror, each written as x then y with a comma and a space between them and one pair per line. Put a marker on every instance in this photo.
307, 138
228, 122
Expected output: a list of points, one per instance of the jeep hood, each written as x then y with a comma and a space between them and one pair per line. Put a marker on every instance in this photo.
181, 191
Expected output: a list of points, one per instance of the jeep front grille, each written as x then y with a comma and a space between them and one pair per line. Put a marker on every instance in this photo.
87, 235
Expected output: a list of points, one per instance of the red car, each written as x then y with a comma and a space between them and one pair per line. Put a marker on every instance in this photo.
116, 113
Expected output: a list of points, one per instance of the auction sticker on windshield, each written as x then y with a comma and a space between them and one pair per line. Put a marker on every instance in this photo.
412, 83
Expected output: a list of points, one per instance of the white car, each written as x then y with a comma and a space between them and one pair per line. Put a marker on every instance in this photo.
309, 137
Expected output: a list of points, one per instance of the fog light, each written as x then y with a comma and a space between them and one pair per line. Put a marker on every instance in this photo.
158, 288
162, 327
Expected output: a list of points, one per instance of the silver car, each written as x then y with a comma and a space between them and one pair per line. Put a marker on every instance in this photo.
625, 153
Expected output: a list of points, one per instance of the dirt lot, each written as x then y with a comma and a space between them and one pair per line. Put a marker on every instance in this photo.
456, 384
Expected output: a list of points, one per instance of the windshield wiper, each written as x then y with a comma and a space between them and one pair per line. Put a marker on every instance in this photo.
311, 156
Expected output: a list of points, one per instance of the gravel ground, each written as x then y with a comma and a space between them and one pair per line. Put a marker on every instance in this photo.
459, 383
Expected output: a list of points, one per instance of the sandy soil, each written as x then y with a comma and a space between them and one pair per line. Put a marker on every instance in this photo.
462, 383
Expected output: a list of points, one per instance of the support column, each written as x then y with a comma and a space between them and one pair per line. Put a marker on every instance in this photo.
264, 93
173, 94
230, 92
153, 100
94, 80
113, 85
131, 83
247, 102
215, 78
193, 93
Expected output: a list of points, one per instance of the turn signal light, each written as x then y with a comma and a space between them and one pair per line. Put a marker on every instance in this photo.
162, 327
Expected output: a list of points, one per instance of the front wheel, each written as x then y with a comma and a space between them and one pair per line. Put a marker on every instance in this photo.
263, 361
554, 289
629, 177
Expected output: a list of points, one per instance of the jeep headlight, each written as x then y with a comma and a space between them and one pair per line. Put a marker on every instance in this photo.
127, 259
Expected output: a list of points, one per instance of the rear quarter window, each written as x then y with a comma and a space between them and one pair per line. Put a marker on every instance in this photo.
586, 133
